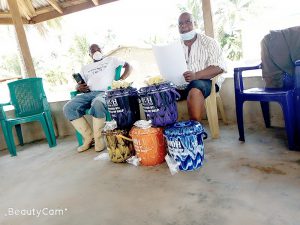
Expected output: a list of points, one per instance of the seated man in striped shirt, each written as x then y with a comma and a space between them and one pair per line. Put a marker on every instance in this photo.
204, 61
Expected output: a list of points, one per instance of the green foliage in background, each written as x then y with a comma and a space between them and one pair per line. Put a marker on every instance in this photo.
228, 18
11, 64
56, 77
79, 51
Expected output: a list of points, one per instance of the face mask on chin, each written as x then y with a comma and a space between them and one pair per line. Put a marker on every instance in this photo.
188, 36
97, 56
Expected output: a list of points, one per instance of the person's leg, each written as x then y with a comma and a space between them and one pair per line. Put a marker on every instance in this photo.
198, 90
76, 107
98, 111
98, 106
74, 111
195, 104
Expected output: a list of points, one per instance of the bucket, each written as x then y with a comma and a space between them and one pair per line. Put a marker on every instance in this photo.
149, 144
159, 103
119, 146
185, 144
123, 106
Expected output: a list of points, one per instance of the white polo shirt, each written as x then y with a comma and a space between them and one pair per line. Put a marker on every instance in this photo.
204, 52
99, 75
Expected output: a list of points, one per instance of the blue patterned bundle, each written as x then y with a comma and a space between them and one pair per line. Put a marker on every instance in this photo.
185, 144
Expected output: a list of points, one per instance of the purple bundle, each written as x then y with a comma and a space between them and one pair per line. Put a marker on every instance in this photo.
159, 103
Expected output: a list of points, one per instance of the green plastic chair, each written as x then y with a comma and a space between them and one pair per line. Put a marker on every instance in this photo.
87, 112
30, 103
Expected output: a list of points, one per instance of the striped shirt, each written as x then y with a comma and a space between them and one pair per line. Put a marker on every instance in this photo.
204, 52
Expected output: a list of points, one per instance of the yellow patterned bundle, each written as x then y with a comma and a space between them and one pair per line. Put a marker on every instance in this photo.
119, 146
154, 80
120, 84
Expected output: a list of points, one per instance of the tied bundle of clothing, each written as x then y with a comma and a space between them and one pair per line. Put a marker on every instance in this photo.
279, 50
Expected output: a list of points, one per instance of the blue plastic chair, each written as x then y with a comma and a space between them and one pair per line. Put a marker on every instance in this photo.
30, 103
108, 118
284, 96
297, 101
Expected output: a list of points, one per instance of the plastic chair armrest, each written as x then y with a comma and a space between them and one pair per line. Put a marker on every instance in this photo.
2, 112
297, 75
74, 93
241, 69
4, 104
238, 76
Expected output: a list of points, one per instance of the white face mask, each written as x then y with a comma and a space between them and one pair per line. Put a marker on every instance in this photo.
97, 56
188, 36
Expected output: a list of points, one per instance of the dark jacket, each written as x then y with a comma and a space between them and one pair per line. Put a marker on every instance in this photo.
279, 50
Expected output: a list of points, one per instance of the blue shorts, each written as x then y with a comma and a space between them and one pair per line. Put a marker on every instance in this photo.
203, 85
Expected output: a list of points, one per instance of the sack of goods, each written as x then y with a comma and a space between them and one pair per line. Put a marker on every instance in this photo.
159, 102
119, 145
149, 143
185, 144
123, 105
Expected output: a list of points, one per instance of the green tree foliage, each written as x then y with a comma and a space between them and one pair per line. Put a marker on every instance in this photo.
11, 64
231, 44
228, 18
56, 77
80, 50
46, 27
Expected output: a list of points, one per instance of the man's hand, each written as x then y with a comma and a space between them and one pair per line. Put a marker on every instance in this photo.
82, 87
189, 76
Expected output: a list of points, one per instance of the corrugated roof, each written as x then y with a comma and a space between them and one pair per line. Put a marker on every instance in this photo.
3, 6
40, 3
35, 11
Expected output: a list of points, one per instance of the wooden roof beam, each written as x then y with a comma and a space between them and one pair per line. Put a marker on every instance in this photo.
9, 21
5, 15
64, 5
23, 8
207, 18
22, 40
96, 2
56, 6
29, 6
67, 10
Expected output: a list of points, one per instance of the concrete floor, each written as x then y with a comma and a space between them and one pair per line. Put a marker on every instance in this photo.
254, 183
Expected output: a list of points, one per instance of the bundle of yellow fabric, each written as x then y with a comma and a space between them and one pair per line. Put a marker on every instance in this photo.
154, 80
120, 84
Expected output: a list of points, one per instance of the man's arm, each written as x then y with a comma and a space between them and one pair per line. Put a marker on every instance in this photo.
207, 73
127, 71
81, 85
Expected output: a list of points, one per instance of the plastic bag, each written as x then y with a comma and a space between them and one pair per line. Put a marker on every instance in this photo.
144, 124
134, 160
110, 125
172, 164
102, 156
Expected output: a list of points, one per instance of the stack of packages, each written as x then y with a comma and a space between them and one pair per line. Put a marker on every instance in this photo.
159, 137
123, 107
